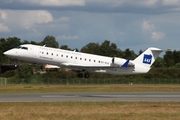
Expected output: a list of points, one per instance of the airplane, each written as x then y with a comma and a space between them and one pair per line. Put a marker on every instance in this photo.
84, 63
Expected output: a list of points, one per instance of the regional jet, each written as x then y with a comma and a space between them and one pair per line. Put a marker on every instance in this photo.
84, 63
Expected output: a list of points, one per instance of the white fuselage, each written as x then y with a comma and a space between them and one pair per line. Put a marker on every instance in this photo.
74, 60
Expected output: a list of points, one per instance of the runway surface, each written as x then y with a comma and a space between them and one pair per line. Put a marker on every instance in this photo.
92, 97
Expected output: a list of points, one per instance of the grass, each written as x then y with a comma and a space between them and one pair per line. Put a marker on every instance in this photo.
90, 111
30, 88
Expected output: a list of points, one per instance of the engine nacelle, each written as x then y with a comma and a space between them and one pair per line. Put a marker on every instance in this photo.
120, 62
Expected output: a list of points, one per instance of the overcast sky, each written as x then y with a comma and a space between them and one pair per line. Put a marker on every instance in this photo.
134, 24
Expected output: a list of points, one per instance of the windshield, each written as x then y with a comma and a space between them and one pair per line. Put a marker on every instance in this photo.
22, 47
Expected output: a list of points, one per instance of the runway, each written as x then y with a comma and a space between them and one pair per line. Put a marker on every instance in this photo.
92, 97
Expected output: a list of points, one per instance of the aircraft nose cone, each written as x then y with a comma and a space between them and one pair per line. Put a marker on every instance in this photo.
6, 53
9, 53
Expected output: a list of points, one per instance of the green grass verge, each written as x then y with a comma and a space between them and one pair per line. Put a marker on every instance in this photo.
31, 88
90, 111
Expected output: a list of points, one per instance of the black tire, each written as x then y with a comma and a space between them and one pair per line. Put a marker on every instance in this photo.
80, 75
86, 75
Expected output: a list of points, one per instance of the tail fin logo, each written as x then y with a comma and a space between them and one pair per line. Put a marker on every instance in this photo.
147, 59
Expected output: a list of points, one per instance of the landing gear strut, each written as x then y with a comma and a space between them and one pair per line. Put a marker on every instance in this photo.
83, 73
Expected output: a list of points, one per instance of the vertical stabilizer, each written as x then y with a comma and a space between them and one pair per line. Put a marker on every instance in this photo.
148, 57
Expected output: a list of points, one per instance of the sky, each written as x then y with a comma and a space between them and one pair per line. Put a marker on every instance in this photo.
133, 24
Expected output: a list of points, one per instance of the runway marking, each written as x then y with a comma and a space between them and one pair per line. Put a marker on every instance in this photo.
165, 96
57, 96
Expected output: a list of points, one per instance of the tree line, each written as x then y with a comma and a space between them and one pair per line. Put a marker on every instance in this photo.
171, 59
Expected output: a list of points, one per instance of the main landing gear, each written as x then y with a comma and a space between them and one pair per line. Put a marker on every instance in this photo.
82, 74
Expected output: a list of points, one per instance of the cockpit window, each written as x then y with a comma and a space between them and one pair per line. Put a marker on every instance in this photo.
21, 47
25, 48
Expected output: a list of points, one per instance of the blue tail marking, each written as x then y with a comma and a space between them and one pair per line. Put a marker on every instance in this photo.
147, 59
125, 64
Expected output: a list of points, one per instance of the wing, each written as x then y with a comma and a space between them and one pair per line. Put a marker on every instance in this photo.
127, 64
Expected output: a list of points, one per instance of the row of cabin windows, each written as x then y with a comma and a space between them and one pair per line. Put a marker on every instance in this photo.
76, 58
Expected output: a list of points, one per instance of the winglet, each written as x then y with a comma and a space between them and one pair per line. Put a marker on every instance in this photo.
125, 64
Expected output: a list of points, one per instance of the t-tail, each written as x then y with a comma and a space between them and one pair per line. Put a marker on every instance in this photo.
144, 61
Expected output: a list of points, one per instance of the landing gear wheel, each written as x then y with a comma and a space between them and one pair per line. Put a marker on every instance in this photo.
86, 75
80, 75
